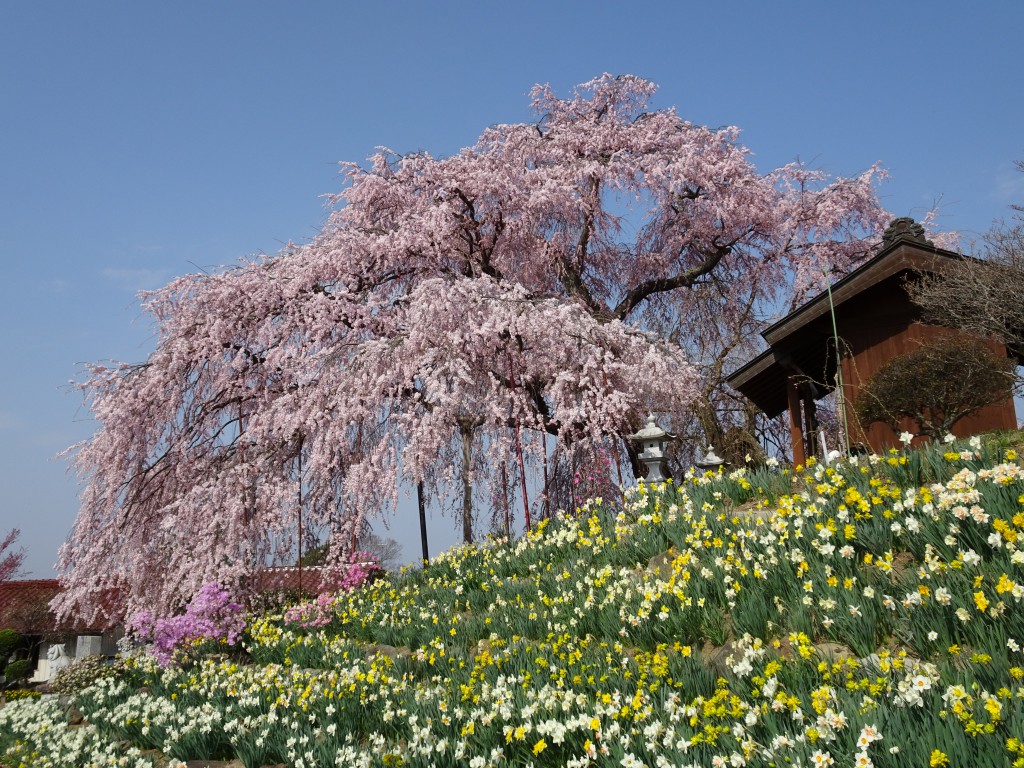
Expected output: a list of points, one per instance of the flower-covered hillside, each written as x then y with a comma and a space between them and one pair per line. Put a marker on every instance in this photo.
863, 613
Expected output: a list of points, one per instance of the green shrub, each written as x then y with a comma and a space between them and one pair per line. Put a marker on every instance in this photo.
10, 641
1001, 442
935, 386
18, 670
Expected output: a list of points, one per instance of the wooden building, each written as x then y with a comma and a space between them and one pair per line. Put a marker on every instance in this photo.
874, 322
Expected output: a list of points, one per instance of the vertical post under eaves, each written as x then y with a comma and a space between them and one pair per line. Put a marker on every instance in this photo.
796, 433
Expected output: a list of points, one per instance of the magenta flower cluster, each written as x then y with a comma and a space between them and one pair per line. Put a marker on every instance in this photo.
211, 615
358, 569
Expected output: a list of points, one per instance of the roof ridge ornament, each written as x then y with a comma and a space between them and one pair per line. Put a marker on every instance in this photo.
904, 228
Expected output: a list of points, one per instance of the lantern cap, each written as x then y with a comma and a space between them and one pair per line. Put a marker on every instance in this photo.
652, 431
711, 460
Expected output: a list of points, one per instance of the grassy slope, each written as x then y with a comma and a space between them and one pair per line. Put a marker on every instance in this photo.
863, 613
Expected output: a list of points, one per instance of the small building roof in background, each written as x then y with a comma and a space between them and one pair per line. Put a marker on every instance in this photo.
286, 579
25, 605
801, 340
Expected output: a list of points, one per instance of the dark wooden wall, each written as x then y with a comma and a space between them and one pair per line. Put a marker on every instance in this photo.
880, 324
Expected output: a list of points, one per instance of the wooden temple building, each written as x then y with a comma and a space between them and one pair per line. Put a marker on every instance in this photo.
875, 321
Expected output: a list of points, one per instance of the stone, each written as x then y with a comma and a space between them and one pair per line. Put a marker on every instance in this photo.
74, 715
661, 564
386, 650
833, 652
715, 657
88, 645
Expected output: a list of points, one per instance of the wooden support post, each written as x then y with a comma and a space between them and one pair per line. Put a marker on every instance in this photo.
796, 433
810, 423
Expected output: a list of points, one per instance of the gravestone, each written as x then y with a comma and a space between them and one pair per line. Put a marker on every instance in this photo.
89, 645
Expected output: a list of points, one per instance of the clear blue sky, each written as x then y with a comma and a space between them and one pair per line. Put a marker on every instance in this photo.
141, 141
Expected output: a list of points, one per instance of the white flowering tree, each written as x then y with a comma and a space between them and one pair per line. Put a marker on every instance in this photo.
453, 316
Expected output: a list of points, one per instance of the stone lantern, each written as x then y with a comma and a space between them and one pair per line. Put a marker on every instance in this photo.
711, 460
651, 440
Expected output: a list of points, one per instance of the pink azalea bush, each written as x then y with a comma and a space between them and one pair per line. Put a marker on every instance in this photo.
312, 613
211, 615
358, 569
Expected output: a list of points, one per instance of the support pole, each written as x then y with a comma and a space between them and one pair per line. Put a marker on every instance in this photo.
615, 451
467, 485
300, 518
796, 433
810, 424
423, 521
504, 501
544, 466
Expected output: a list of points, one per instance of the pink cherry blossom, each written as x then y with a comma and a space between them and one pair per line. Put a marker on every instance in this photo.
542, 281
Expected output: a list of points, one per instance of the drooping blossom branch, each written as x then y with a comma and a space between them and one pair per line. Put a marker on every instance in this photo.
10, 558
584, 248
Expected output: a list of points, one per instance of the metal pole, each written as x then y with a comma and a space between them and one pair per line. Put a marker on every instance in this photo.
423, 521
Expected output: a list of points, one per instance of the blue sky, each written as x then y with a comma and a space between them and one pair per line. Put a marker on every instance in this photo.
143, 141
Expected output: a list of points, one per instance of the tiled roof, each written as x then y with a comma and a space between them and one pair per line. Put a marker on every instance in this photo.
25, 605
287, 580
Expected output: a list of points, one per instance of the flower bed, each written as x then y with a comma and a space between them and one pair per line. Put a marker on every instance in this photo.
864, 613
